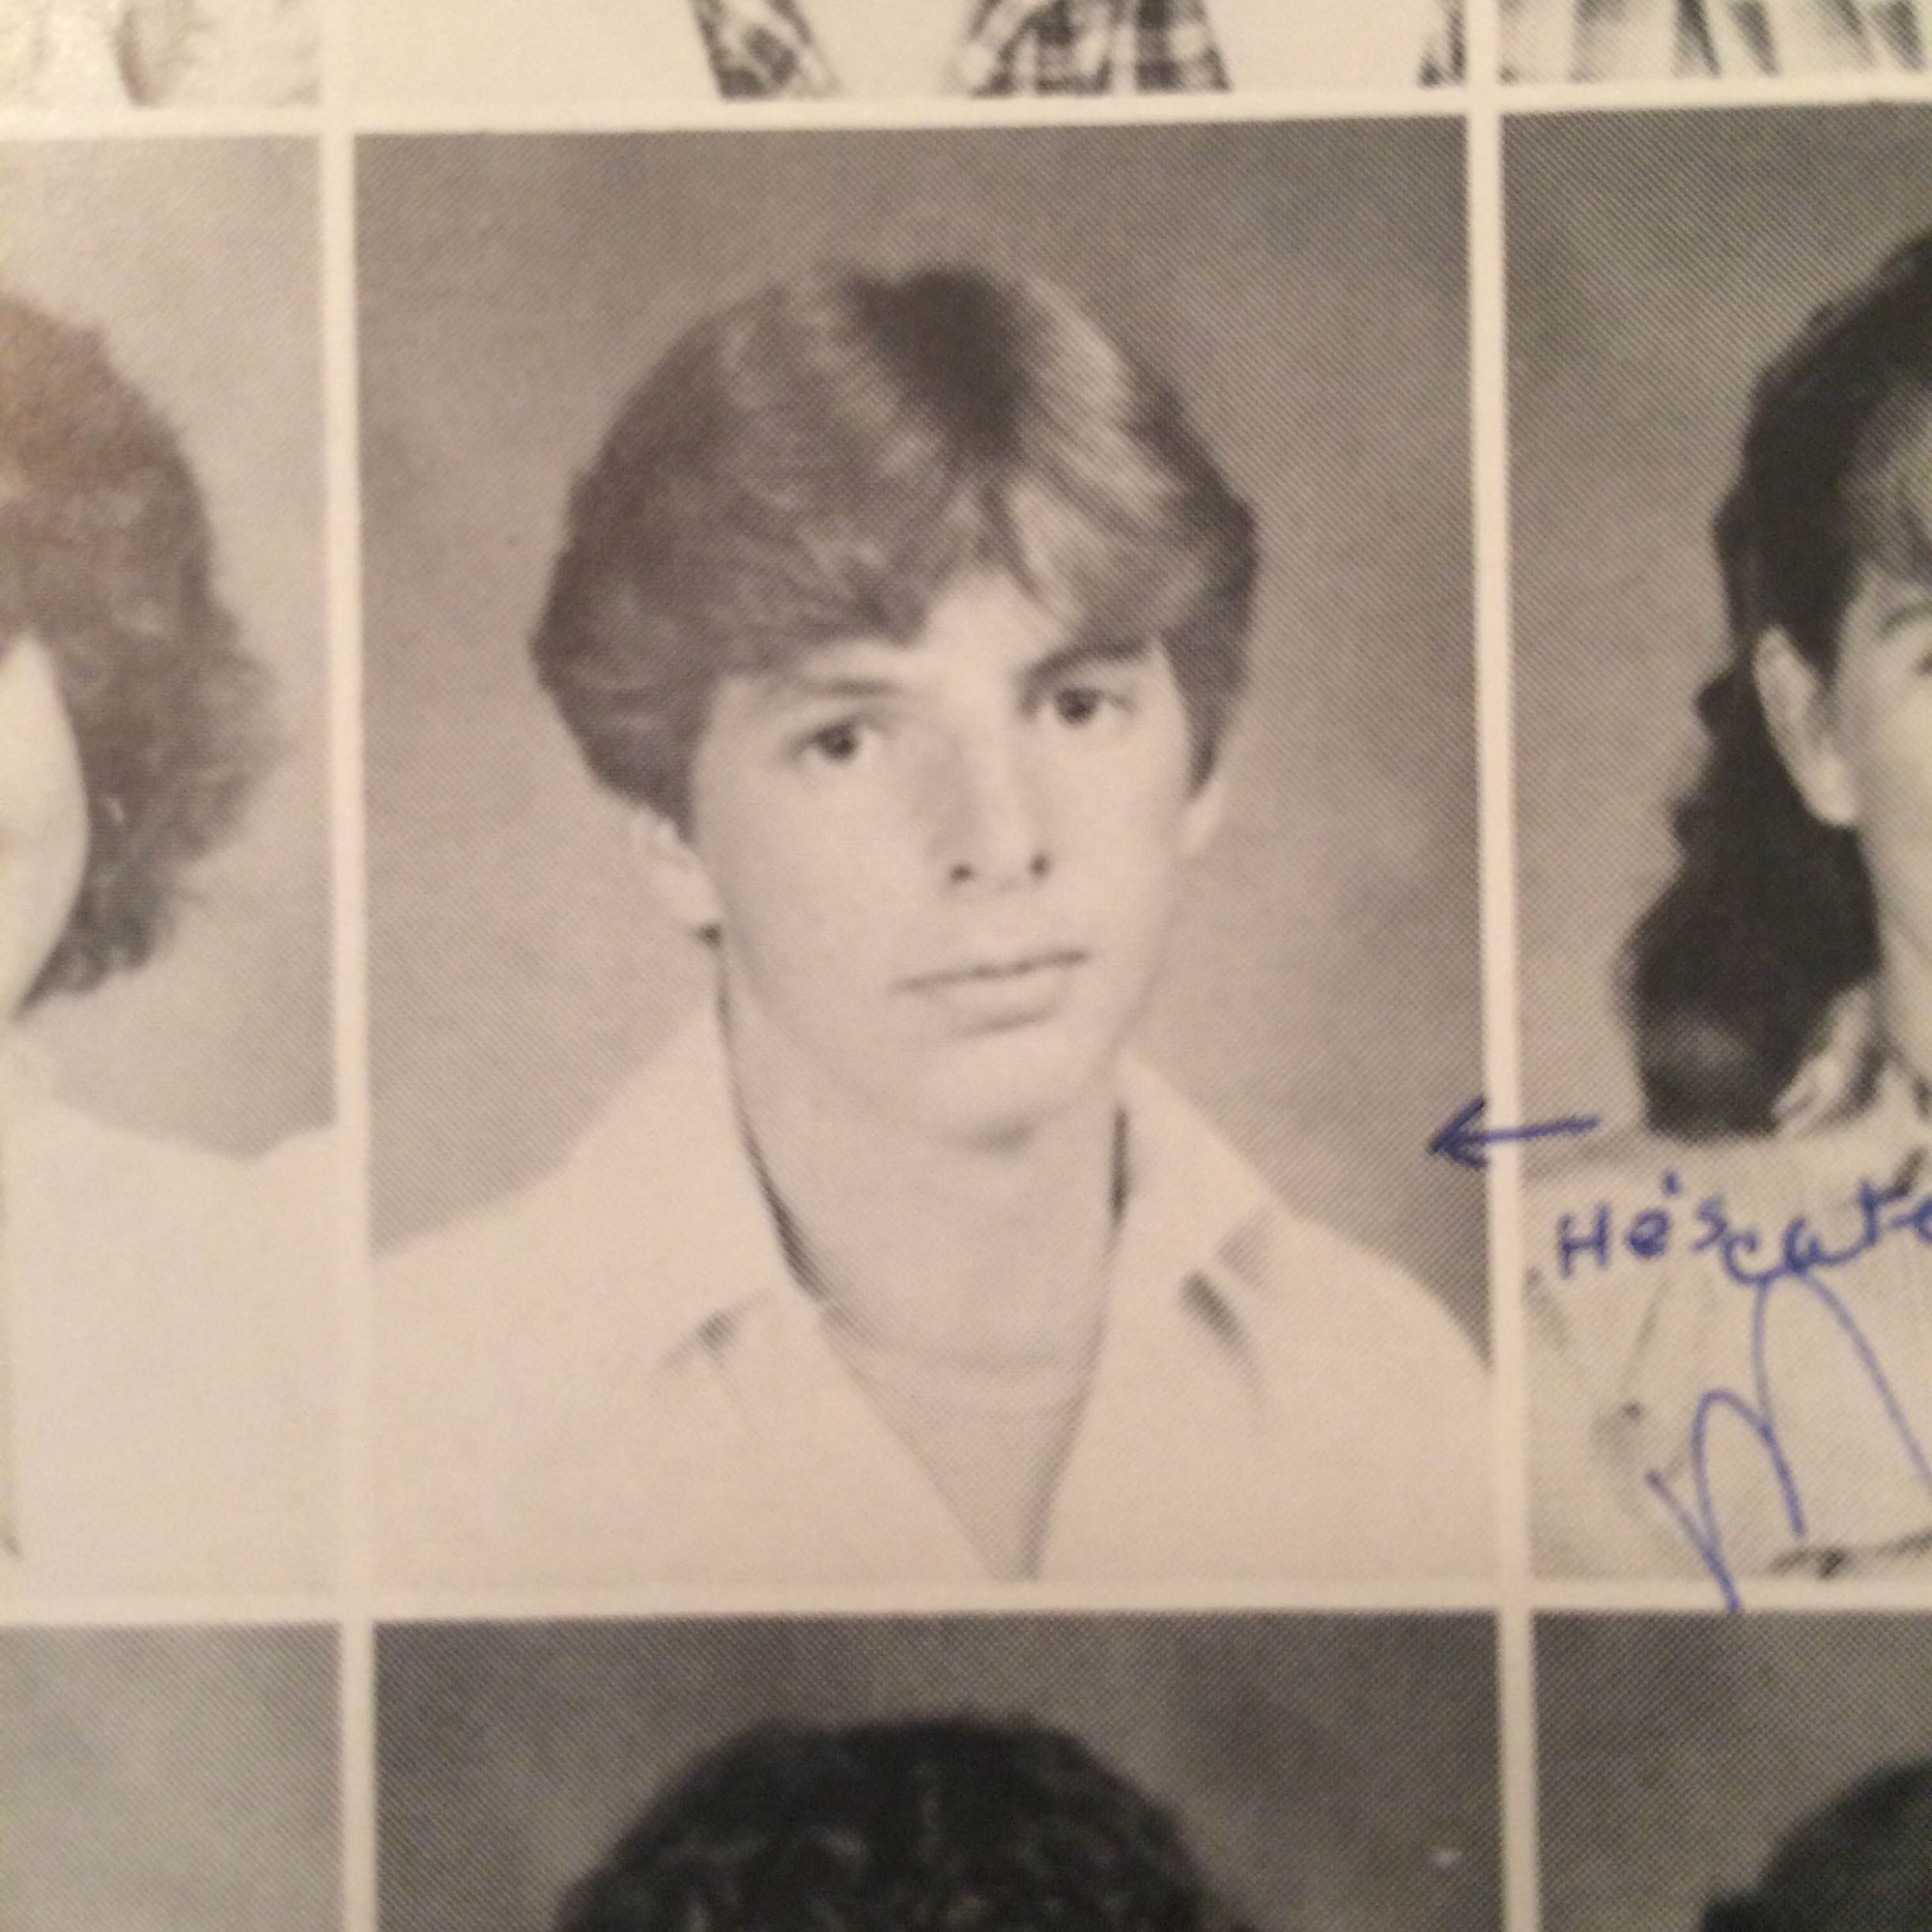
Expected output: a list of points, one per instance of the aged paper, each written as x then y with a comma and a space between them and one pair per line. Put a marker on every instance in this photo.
966, 963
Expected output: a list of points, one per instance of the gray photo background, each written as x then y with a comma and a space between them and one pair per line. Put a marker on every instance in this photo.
160, 1779
1656, 263
1304, 283
1674, 1752
198, 262
1332, 1775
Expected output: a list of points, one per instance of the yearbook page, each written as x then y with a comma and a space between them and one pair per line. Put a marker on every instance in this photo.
967, 966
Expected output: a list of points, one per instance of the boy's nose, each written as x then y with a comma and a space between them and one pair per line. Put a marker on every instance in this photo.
993, 832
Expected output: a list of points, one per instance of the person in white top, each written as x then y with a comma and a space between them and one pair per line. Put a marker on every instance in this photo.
165, 1313
909, 615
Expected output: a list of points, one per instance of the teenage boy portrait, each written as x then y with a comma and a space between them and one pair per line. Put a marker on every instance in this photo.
941, 714
906, 616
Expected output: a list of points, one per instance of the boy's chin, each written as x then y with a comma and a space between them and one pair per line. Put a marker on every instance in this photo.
1000, 1092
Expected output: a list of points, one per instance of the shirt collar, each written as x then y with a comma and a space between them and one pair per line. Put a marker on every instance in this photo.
700, 1244
1189, 1193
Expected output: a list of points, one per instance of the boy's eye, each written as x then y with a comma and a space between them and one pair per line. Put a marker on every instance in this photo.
838, 744
1082, 704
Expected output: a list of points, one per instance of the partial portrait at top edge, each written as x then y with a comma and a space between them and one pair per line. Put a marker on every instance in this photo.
578, 53
1731, 1372
901, 619
167, 1225
1711, 40
105, 55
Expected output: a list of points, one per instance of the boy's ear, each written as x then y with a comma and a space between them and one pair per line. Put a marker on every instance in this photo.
677, 873
1204, 813
1797, 705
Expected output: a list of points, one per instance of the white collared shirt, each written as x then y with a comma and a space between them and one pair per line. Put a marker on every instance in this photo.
170, 1341
613, 1378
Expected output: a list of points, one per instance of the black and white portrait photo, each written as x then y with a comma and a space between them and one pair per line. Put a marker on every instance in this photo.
1723, 626
1722, 1774
165, 1779
1203, 1773
167, 1304
817, 714
102, 54
966, 966
585, 53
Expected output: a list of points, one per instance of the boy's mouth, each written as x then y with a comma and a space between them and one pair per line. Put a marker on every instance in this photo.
993, 995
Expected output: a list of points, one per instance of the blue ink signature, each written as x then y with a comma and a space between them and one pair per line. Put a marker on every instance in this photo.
1798, 1262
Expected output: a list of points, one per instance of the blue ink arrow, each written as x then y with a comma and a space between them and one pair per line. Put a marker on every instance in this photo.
1466, 1142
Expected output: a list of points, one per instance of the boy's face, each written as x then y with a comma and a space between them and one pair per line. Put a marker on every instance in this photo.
942, 872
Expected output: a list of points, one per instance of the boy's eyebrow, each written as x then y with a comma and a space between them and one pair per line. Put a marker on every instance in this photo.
804, 681
1105, 649
798, 683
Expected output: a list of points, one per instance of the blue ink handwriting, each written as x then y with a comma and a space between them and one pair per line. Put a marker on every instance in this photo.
1794, 1262
1466, 1142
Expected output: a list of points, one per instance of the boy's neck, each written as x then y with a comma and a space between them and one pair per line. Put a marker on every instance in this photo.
975, 1258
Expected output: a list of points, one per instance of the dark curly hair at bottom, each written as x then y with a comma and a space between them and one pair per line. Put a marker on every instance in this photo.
940, 1825
1862, 1863
106, 562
